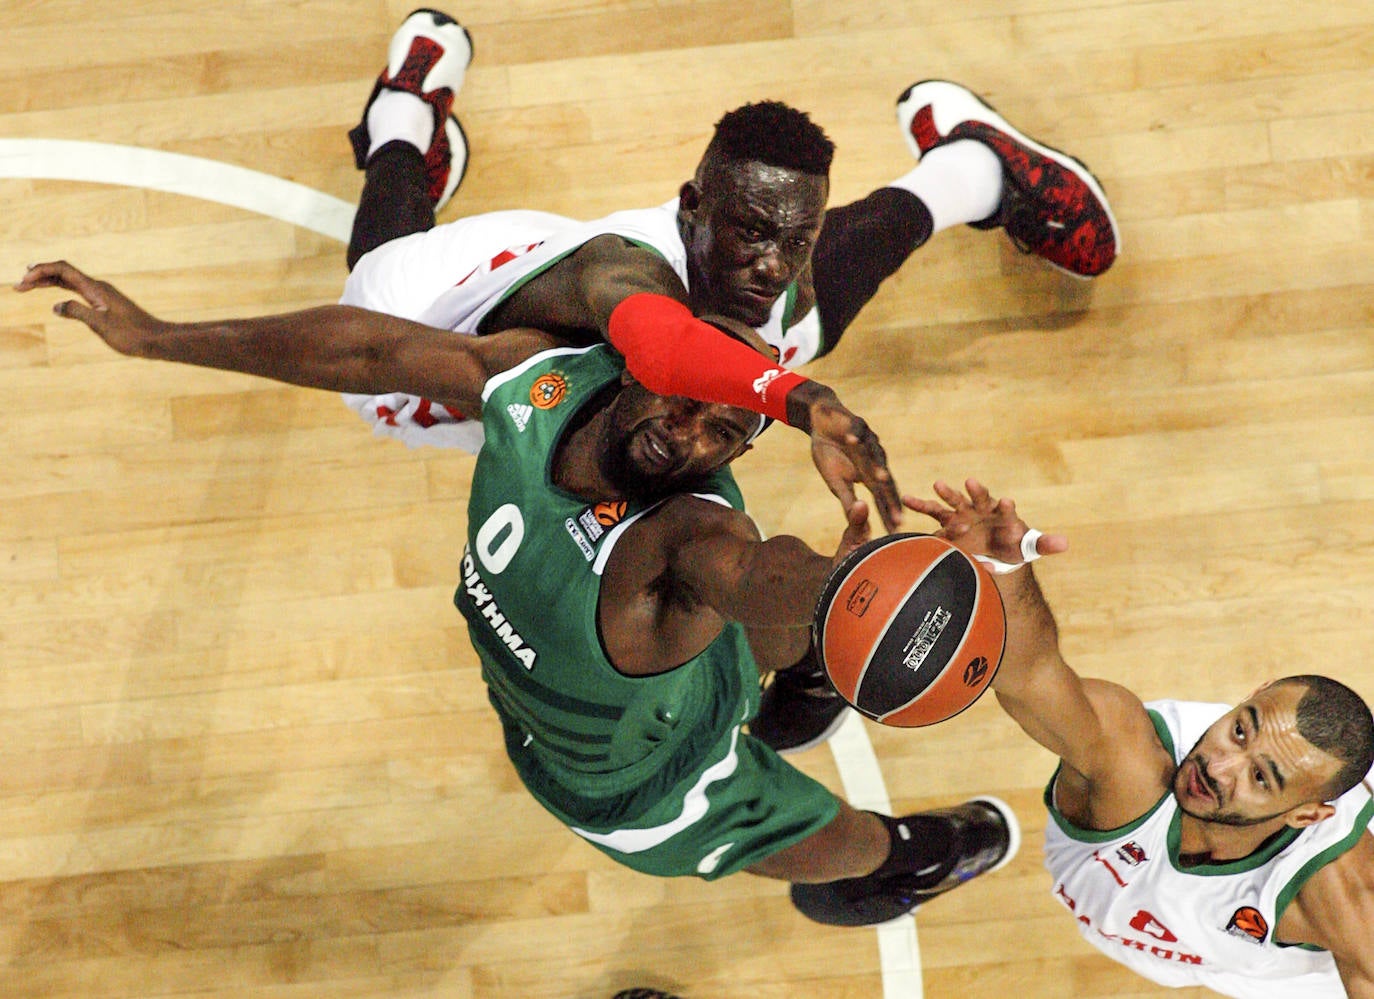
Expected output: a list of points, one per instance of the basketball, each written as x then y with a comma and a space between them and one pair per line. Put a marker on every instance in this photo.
910, 630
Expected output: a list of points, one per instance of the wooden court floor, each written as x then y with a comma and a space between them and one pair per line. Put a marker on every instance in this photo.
244, 749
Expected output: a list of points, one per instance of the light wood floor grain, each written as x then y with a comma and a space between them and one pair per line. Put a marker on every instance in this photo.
244, 749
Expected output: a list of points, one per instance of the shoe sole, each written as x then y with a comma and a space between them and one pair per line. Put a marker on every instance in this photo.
439, 27
1013, 830
457, 170
817, 740
941, 95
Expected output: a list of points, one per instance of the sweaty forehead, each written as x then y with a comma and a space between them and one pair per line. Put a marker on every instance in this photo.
1275, 711
764, 186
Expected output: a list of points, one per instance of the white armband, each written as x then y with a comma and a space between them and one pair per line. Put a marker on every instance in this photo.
1028, 554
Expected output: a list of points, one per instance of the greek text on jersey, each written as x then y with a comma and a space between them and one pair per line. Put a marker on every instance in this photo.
486, 604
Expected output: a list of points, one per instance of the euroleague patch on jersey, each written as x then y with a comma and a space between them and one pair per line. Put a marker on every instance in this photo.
549, 390
609, 512
1247, 923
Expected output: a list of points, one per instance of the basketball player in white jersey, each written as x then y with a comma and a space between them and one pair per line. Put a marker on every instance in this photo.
1198, 844
748, 237
737, 242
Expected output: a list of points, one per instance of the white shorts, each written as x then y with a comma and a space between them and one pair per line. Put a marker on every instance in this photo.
406, 276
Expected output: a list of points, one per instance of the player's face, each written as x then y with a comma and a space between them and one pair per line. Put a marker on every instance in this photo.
655, 443
749, 230
1252, 765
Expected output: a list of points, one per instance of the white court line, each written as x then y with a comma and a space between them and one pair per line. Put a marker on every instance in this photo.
130, 166
272, 197
898, 949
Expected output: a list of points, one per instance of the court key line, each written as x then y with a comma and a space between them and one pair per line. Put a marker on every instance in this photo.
287, 201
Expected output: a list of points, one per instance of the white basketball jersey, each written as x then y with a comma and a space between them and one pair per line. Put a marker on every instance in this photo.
453, 275
1212, 924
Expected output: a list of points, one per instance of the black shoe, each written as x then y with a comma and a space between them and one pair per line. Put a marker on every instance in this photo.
643, 994
799, 709
987, 837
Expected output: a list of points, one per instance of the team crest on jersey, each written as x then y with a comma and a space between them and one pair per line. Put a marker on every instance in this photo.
549, 390
1247, 923
1131, 853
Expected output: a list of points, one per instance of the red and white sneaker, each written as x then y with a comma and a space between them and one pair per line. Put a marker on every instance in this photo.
1052, 206
428, 58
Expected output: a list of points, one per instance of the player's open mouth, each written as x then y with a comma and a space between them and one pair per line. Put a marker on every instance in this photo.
655, 451
1197, 786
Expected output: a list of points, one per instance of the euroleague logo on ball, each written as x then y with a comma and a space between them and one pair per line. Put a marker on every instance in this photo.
975, 671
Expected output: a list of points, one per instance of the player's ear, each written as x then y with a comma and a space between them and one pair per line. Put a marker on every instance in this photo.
688, 198
1310, 814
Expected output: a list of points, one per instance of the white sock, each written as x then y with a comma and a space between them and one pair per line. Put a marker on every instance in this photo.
959, 182
398, 115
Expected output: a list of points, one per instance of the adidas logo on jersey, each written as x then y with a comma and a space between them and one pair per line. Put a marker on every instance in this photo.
520, 414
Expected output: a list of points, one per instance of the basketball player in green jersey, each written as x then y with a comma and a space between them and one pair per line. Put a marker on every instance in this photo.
621, 601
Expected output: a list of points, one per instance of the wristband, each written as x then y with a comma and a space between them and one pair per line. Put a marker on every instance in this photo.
1028, 554
671, 352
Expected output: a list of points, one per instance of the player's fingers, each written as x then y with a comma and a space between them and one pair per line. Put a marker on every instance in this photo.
889, 502
870, 450
978, 494
936, 511
55, 273
856, 530
79, 311
950, 495
1051, 544
60, 274
843, 491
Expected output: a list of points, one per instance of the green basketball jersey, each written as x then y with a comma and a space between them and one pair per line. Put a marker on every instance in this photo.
595, 746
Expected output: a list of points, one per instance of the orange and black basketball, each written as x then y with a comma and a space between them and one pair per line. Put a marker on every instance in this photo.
910, 630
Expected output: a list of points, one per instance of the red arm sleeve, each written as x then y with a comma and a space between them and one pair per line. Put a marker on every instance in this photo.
671, 352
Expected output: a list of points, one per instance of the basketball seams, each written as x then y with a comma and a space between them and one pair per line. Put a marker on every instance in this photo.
882, 635
982, 584
839, 577
933, 683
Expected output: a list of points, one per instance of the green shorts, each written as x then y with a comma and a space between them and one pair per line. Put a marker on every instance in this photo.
744, 803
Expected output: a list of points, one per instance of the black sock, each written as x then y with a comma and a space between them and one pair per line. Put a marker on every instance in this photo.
395, 200
860, 246
923, 845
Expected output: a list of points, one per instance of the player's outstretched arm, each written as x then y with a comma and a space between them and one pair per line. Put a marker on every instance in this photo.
336, 347
671, 352
718, 555
638, 304
1084, 722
